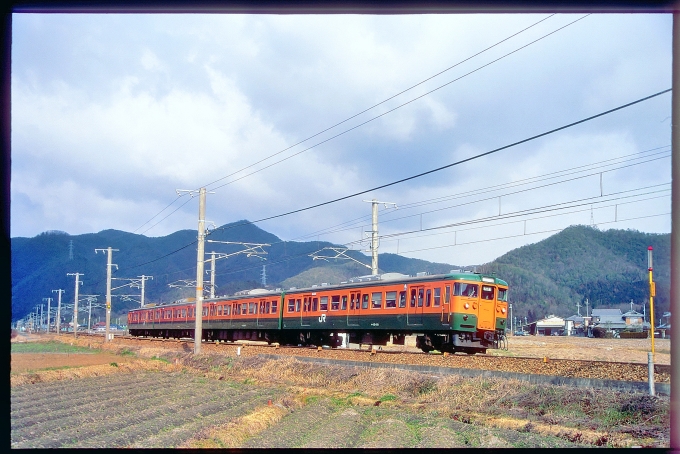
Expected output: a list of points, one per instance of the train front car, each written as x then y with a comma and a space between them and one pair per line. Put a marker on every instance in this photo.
464, 312
473, 316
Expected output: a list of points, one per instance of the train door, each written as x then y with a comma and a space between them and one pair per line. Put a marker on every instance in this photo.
260, 310
354, 308
446, 306
486, 318
305, 314
414, 307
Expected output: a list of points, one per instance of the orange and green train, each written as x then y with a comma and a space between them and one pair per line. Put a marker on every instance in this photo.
455, 312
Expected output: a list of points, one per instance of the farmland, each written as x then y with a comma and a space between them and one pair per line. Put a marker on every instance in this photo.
127, 397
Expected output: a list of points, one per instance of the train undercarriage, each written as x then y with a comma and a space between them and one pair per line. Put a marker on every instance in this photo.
469, 343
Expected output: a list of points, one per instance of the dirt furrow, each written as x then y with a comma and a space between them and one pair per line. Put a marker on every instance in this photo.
171, 438
388, 432
140, 428
56, 397
92, 413
49, 419
294, 429
339, 431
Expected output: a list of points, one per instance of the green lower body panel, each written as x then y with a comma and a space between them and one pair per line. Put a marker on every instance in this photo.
458, 322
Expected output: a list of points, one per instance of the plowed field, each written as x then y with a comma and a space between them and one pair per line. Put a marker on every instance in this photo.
177, 399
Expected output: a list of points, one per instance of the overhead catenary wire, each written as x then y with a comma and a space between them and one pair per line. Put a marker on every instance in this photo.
538, 210
336, 229
438, 169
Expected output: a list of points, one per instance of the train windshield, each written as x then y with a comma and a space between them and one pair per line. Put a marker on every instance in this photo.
502, 294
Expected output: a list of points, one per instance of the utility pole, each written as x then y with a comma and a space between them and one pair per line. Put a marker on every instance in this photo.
49, 300
58, 321
108, 288
41, 316
75, 304
198, 331
578, 308
374, 233
200, 259
652, 292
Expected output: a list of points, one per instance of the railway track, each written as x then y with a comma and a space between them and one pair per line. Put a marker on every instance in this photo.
576, 369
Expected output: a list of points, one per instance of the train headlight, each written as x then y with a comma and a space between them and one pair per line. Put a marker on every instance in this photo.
503, 310
465, 317
466, 306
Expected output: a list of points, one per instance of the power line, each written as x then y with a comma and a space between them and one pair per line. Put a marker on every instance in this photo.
462, 161
526, 234
397, 107
544, 209
384, 101
483, 191
351, 117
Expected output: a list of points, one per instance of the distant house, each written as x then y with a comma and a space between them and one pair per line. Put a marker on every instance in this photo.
609, 319
634, 319
549, 326
576, 325
614, 320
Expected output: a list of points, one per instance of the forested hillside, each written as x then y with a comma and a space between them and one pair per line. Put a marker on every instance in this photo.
550, 277
608, 268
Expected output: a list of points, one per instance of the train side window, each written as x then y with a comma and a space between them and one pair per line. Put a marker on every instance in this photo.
437, 296
402, 299
502, 294
315, 303
275, 307
487, 292
420, 297
364, 301
297, 305
428, 297
463, 289
184, 313
219, 310
266, 307
244, 308
376, 300
205, 311
291, 305
447, 295
323, 304
390, 299
261, 307
344, 303
306, 305
351, 303
335, 302
158, 315
252, 308
413, 297
227, 309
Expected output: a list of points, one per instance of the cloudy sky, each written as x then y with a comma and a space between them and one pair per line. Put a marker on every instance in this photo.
112, 113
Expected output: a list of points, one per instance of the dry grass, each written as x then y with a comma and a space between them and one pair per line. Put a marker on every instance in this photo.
235, 433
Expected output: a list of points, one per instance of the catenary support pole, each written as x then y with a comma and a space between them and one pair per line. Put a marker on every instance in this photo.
75, 304
58, 320
49, 301
109, 251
